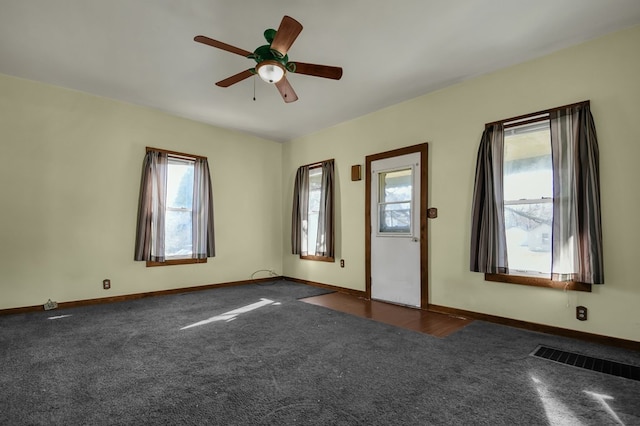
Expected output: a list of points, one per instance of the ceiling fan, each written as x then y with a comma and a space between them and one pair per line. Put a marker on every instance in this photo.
272, 62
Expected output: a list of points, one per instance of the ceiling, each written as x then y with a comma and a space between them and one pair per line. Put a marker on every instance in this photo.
142, 51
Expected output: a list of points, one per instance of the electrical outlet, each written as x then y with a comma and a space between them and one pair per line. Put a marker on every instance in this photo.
342, 263
106, 284
581, 313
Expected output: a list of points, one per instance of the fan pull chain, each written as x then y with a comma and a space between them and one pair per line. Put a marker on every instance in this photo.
254, 88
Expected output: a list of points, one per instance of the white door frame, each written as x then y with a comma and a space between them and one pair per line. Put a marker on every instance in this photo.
423, 150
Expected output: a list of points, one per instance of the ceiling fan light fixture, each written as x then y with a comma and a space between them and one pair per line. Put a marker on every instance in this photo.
270, 71
272, 61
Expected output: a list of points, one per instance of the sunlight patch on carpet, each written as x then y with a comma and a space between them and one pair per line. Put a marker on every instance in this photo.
58, 317
602, 399
231, 315
557, 412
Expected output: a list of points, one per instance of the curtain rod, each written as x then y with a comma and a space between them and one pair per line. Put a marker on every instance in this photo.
546, 111
317, 163
176, 154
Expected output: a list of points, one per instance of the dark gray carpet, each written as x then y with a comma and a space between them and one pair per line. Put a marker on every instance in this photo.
289, 363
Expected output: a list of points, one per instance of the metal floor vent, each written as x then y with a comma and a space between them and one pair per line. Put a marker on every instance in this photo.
595, 364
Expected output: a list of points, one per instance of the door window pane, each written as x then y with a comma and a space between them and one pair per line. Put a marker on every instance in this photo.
395, 191
395, 217
396, 186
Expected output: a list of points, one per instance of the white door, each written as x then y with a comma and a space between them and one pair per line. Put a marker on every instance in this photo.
395, 229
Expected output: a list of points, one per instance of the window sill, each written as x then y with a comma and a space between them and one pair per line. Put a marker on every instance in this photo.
538, 282
171, 262
318, 258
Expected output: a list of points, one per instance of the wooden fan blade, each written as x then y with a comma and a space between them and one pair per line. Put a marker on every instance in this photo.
287, 33
220, 45
324, 71
286, 91
236, 78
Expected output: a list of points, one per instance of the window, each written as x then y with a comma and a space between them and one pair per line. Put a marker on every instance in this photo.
179, 209
312, 225
313, 211
394, 202
536, 203
175, 214
528, 197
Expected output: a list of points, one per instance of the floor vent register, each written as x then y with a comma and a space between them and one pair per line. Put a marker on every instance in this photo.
612, 368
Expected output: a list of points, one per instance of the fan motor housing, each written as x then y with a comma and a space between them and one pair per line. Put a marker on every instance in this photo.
264, 53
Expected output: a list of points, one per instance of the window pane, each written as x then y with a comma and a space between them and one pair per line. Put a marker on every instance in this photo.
180, 184
395, 191
178, 233
395, 186
315, 192
395, 217
312, 226
178, 220
528, 228
528, 170
315, 184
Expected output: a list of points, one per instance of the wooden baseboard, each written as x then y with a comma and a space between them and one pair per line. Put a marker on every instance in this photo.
357, 293
590, 337
125, 297
581, 335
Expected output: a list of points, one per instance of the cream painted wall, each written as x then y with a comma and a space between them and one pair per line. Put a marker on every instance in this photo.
70, 166
605, 71
70, 169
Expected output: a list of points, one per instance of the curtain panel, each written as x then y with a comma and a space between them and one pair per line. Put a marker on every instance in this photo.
577, 228
300, 212
326, 216
488, 235
153, 194
203, 235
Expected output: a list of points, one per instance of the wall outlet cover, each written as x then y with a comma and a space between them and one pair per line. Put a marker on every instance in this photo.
581, 313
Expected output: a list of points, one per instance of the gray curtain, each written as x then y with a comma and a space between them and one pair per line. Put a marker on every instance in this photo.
326, 215
577, 230
299, 214
153, 194
202, 221
488, 235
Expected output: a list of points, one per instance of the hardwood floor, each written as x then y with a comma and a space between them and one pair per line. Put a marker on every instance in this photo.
433, 323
